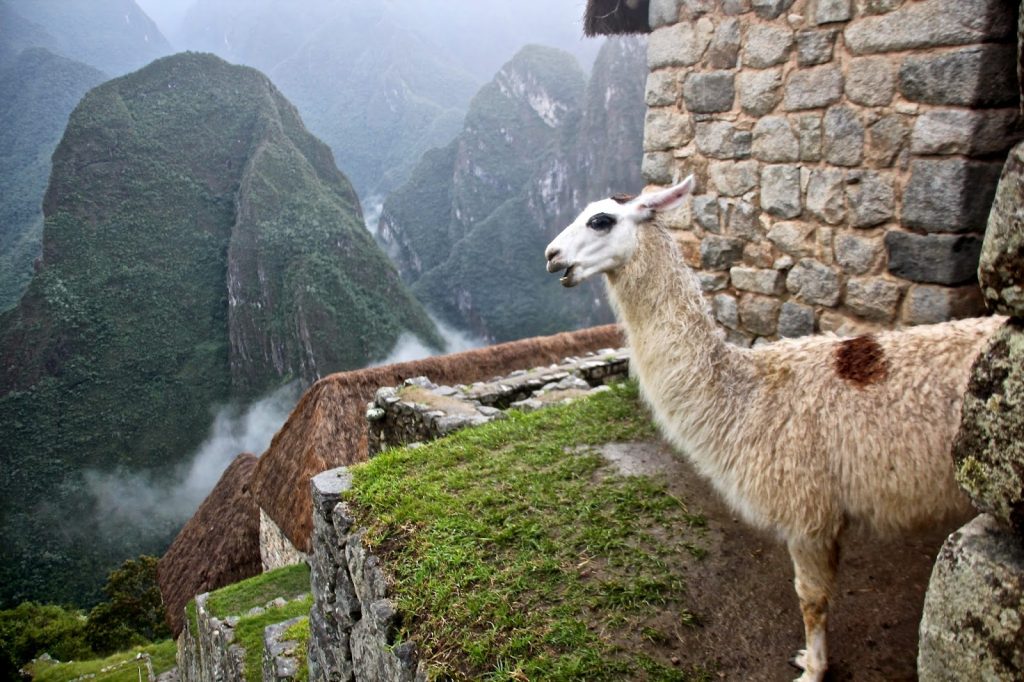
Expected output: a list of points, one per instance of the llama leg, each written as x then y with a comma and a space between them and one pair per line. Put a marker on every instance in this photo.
814, 563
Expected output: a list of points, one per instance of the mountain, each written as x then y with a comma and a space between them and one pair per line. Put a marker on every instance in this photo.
380, 82
200, 247
114, 36
468, 229
38, 90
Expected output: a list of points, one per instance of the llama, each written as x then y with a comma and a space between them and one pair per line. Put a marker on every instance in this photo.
802, 437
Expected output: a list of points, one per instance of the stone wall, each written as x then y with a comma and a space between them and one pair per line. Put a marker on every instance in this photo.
276, 551
846, 153
206, 648
419, 410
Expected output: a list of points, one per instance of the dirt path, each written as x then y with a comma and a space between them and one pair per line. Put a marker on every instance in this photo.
742, 590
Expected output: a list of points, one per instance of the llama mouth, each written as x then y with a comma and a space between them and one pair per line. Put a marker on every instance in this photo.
566, 280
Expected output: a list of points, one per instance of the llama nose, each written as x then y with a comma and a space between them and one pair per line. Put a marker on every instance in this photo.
552, 255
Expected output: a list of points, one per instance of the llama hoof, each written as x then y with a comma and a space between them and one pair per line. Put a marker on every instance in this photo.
799, 660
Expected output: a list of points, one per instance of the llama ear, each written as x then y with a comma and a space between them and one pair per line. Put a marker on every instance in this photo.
666, 199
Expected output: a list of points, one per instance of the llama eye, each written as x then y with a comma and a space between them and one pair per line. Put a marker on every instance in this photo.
601, 222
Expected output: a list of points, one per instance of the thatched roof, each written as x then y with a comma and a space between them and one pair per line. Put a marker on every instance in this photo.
219, 545
328, 428
607, 17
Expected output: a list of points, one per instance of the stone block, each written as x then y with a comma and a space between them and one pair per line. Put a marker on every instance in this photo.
949, 195
712, 281
681, 44
981, 76
857, 254
931, 304
871, 81
280, 656
873, 298
726, 310
887, 140
780, 190
658, 168
830, 11
971, 627
758, 254
809, 131
732, 178
818, 86
742, 220
662, 12
734, 7
725, 45
989, 448
723, 140
965, 131
757, 280
879, 6
689, 247
931, 24
1001, 269
775, 141
871, 197
665, 128
720, 253
826, 195
795, 320
694, 9
843, 136
793, 238
814, 283
759, 91
770, 9
815, 46
933, 258
664, 88
709, 91
705, 212
327, 488
759, 314
766, 45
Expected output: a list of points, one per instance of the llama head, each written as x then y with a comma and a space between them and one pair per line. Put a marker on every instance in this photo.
604, 236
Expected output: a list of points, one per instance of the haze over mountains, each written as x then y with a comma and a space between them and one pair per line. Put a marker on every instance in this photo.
200, 248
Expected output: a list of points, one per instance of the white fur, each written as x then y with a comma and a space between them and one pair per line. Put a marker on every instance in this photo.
794, 442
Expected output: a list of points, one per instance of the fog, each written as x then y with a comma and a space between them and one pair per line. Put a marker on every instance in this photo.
139, 500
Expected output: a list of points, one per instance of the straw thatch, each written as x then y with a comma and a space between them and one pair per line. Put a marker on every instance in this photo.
328, 427
607, 17
219, 545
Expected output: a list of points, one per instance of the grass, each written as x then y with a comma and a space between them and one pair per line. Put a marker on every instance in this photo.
249, 633
515, 553
299, 632
121, 667
235, 600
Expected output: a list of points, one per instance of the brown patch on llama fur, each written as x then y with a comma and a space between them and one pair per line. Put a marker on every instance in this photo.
623, 198
861, 361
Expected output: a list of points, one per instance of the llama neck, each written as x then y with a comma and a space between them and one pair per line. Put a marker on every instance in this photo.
694, 381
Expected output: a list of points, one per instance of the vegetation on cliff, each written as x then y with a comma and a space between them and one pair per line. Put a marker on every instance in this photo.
38, 90
199, 247
468, 229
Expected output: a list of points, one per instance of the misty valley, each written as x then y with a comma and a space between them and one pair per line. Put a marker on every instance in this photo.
206, 206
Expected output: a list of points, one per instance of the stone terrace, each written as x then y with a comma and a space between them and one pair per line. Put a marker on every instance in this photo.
846, 152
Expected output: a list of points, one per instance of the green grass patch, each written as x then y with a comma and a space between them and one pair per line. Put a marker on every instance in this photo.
123, 666
249, 633
516, 552
235, 600
299, 632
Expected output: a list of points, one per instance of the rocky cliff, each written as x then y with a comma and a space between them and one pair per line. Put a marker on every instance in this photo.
538, 143
200, 246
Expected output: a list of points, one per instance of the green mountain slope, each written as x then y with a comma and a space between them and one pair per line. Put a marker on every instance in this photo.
114, 36
199, 247
469, 228
38, 90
